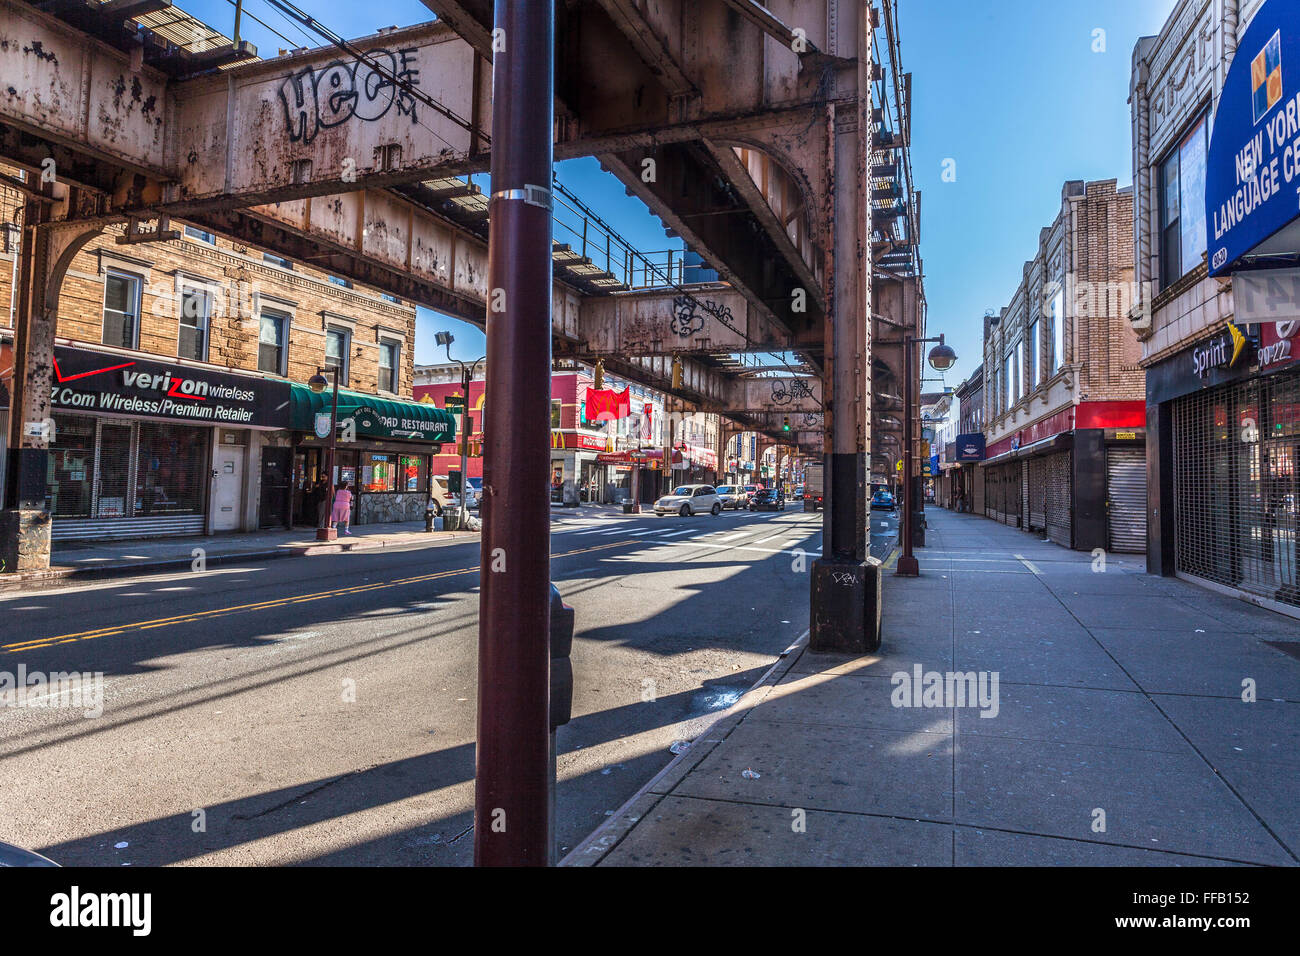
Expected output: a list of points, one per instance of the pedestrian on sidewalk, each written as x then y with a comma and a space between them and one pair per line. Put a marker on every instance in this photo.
343, 507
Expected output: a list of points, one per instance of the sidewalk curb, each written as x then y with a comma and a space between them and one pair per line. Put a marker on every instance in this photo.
51, 577
593, 848
38, 580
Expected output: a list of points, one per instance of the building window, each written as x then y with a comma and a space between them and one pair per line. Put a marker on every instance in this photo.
339, 280
1182, 206
1058, 332
121, 309
411, 472
556, 410
192, 337
336, 352
1031, 355
272, 335
390, 298
276, 261
378, 473
1009, 378
194, 232
388, 379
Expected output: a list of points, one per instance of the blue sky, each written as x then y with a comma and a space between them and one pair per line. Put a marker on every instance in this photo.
1011, 90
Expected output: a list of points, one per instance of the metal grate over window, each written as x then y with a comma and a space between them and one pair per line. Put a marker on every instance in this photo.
1236, 492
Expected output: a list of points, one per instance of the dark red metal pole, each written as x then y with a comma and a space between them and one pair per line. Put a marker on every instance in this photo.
513, 778
908, 566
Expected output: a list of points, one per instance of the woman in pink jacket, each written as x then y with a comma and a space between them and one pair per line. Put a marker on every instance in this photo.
342, 507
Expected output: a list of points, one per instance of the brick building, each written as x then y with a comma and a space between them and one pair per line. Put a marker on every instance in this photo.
1063, 406
1218, 329
180, 400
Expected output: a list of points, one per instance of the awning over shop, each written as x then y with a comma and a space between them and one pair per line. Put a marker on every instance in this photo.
375, 417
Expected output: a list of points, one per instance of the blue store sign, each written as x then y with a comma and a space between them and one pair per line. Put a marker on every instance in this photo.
970, 447
1252, 186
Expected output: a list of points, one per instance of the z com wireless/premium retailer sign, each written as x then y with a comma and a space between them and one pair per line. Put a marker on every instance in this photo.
100, 383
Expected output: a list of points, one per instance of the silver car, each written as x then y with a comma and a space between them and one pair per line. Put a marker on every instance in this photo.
690, 500
733, 497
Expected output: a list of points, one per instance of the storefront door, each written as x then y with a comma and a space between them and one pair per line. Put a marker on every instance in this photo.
275, 487
227, 488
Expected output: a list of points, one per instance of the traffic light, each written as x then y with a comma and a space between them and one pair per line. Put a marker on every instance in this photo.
677, 372
785, 424
598, 377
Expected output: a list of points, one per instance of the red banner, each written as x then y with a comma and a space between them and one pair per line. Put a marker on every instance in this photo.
607, 405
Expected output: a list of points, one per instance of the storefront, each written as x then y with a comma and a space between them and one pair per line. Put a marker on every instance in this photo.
1225, 491
1076, 477
1223, 411
136, 451
383, 453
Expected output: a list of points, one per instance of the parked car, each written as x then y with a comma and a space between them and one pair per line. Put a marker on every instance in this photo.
733, 497
475, 493
882, 500
690, 500
767, 499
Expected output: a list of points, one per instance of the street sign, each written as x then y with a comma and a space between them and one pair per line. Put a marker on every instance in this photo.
453, 400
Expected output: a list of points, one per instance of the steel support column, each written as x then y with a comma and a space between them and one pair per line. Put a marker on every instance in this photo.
846, 581
48, 248
514, 776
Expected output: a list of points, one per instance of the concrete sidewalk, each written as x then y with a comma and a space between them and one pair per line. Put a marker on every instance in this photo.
1117, 735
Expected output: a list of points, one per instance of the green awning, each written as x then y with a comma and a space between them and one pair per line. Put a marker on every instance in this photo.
372, 416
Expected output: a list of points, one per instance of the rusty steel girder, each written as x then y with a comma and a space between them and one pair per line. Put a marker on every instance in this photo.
701, 319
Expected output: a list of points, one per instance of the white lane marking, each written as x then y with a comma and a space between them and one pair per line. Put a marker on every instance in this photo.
734, 537
771, 537
1027, 563
626, 530
673, 534
599, 530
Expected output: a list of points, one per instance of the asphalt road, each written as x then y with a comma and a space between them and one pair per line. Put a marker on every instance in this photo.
321, 710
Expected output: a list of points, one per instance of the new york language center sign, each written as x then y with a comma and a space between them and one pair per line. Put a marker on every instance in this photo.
1252, 186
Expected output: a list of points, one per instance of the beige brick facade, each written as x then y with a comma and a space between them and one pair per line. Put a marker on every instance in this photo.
240, 285
1081, 276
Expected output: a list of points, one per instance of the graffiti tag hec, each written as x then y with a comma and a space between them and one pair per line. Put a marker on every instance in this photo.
786, 391
320, 99
688, 319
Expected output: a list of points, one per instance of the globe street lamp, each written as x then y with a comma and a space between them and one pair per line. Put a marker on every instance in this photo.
317, 383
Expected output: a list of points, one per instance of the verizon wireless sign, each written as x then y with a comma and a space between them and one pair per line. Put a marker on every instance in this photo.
98, 382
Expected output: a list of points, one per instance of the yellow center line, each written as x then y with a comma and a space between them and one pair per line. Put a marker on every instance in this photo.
194, 616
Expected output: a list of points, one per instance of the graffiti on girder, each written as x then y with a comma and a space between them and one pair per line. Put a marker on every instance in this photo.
690, 315
365, 89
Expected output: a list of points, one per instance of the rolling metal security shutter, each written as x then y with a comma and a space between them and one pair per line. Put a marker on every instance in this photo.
1036, 468
1126, 499
1236, 489
1060, 499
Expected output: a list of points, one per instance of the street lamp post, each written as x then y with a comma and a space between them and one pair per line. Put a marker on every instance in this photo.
466, 373
941, 358
317, 383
